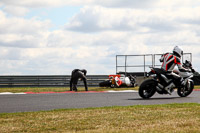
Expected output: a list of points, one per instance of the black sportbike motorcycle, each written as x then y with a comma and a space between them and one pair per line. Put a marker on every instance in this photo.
162, 83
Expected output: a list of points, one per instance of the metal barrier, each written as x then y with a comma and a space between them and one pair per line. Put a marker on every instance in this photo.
59, 80
47, 81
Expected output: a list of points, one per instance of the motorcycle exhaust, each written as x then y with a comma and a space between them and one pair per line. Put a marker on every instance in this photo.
159, 87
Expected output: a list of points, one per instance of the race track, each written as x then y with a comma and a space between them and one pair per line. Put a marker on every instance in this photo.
37, 102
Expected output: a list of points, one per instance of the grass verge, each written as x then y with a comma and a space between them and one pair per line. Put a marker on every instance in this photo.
58, 89
148, 118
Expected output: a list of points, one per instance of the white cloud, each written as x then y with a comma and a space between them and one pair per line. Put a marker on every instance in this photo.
21, 7
95, 19
16, 10
93, 37
106, 3
20, 32
23, 26
111, 3
92, 19
31, 3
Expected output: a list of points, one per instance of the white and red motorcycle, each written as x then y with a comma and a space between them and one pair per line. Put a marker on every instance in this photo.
119, 81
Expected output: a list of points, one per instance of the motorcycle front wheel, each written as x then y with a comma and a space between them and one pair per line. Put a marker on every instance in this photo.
187, 90
147, 88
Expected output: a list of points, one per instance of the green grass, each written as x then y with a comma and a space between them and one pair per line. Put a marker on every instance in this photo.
57, 89
184, 118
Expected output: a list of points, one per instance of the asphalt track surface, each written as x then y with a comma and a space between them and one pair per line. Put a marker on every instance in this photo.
51, 101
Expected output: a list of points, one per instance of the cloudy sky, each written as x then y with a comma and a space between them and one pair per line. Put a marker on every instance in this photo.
55, 36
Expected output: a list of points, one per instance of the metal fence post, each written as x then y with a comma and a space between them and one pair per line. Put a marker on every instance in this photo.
125, 64
144, 65
116, 63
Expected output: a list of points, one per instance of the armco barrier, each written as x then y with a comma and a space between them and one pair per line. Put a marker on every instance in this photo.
60, 80
47, 80
196, 80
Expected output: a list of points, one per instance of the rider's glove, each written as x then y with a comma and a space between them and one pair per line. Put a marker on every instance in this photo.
193, 70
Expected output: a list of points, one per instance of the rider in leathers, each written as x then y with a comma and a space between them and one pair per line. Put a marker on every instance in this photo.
170, 61
75, 76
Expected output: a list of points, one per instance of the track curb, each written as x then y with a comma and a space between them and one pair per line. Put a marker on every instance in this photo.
67, 92
72, 92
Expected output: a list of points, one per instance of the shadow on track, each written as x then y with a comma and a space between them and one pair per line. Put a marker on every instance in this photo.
159, 98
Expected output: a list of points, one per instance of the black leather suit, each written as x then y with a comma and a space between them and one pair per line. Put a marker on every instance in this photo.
75, 76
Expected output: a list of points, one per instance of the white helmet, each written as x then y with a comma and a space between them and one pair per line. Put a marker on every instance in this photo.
116, 79
177, 51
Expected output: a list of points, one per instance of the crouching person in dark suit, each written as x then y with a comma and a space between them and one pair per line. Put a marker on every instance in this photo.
75, 76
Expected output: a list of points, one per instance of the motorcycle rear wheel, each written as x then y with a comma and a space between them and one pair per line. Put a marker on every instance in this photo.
105, 83
184, 92
147, 88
